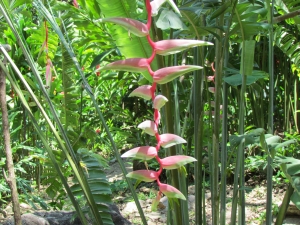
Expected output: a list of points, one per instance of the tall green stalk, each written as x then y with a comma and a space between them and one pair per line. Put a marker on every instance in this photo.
248, 46
168, 111
198, 133
181, 173
270, 114
216, 126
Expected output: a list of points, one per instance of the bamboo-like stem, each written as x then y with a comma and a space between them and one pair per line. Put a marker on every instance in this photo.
284, 205
182, 177
240, 156
198, 134
216, 127
223, 191
168, 111
270, 114
11, 178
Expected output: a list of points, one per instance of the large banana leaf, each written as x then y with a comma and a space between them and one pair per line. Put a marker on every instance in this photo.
129, 45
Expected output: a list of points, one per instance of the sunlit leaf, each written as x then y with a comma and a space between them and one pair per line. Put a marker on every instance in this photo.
168, 19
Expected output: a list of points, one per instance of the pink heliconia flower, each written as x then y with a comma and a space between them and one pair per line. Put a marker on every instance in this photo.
143, 92
134, 26
210, 78
143, 153
168, 74
98, 72
155, 5
156, 201
211, 89
143, 175
48, 73
167, 47
157, 118
75, 3
212, 103
171, 192
159, 101
149, 127
130, 65
176, 161
168, 140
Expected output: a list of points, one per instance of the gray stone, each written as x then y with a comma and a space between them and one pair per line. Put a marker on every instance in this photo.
28, 219
131, 207
64, 218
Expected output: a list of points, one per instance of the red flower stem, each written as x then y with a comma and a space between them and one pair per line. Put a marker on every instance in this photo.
153, 88
148, 8
151, 42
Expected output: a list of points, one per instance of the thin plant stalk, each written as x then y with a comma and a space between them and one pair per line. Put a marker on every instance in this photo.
176, 211
11, 177
284, 205
198, 134
216, 127
270, 114
182, 176
224, 164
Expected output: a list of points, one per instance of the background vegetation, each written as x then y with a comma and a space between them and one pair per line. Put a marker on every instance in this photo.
68, 120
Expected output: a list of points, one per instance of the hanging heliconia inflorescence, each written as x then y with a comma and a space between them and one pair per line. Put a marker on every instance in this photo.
147, 92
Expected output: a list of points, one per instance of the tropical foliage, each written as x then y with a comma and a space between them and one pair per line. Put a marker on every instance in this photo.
79, 77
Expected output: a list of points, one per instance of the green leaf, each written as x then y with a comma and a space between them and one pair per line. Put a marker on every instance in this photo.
168, 19
247, 57
236, 79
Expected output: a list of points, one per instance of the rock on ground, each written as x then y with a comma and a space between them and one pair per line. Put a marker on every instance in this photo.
63, 218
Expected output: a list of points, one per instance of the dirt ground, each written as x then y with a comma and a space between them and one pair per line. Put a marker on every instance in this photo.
255, 202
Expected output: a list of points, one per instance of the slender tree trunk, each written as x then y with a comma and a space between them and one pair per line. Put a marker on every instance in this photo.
11, 178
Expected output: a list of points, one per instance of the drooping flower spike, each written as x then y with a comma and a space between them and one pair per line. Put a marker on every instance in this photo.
147, 92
